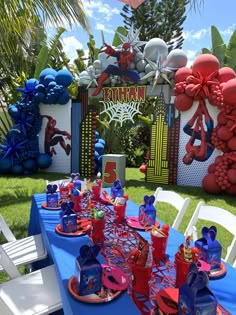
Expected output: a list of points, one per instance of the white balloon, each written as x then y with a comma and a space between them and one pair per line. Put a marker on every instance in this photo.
154, 46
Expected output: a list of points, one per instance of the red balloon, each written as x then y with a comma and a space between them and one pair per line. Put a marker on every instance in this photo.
218, 159
231, 173
212, 168
210, 185
224, 133
231, 190
182, 74
232, 144
222, 120
183, 102
205, 64
229, 92
225, 74
143, 168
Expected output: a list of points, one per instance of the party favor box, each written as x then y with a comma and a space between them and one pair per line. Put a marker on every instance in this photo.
210, 248
147, 211
194, 295
68, 217
51, 196
117, 189
88, 270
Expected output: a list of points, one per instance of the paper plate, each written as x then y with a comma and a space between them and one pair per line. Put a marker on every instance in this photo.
44, 206
167, 301
134, 223
83, 225
215, 274
105, 295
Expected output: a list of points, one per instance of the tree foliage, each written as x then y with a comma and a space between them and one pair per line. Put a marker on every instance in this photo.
225, 53
162, 19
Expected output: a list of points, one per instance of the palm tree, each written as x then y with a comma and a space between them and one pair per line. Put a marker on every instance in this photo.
18, 20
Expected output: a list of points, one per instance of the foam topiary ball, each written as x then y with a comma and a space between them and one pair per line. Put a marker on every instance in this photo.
64, 77
44, 161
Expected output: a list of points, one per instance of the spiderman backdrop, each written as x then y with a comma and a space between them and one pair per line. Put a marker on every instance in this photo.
124, 58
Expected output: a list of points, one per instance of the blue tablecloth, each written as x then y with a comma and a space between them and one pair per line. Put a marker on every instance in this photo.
62, 252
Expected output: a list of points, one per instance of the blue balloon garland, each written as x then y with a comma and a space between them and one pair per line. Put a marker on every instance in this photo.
19, 150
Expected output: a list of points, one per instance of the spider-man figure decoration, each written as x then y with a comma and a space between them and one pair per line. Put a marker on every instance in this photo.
124, 58
203, 151
53, 136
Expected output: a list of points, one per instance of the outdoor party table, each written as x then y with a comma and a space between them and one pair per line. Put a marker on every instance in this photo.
119, 239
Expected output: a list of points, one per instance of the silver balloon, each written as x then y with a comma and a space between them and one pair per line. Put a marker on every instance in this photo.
97, 64
155, 46
140, 65
176, 59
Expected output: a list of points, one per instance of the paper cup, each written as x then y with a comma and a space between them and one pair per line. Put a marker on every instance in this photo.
159, 245
182, 269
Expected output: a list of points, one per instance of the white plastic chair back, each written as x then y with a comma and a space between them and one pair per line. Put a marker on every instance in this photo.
216, 215
4, 228
174, 199
23, 251
31, 294
8, 265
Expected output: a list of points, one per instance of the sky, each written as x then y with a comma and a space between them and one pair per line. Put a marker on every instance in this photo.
104, 15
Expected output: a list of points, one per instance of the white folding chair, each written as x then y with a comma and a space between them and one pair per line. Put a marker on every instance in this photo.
216, 215
174, 199
30, 294
23, 251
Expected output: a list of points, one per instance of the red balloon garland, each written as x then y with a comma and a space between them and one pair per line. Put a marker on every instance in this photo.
207, 80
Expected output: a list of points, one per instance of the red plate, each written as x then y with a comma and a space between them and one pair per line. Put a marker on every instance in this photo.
134, 223
100, 297
167, 301
44, 206
83, 225
215, 274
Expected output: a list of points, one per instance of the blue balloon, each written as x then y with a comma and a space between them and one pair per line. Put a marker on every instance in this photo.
97, 135
99, 148
17, 169
96, 155
102, 141
100, 160
40, 88
44, 160
64, 77
30, 165
45, 72
5, 165
48, 79
63, 98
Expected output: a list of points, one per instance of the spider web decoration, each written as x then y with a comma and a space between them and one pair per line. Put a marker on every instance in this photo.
121, 111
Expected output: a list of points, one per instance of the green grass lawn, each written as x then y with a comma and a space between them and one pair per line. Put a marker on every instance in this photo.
16, 194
